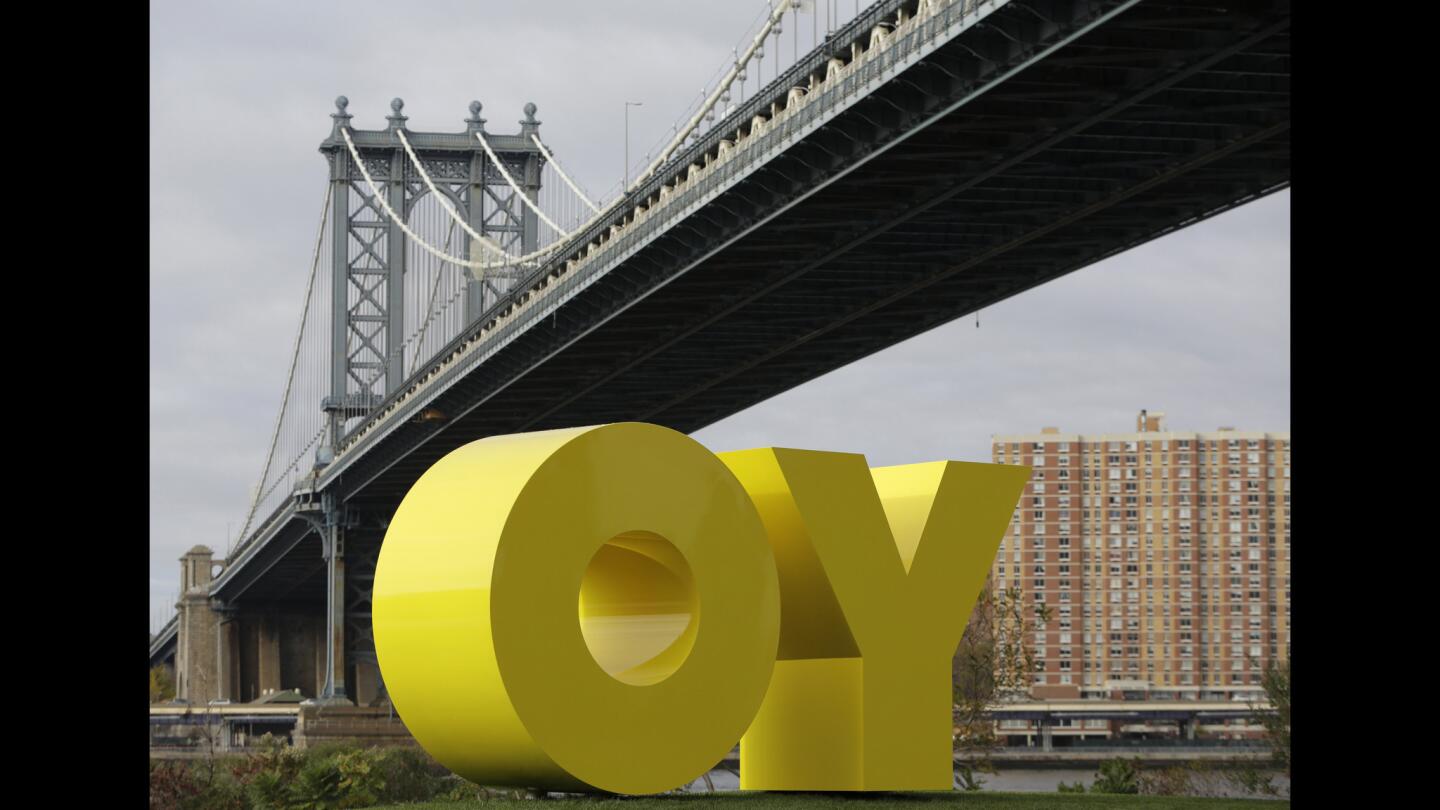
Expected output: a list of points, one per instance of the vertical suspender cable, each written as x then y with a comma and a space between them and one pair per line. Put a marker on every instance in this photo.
294, 358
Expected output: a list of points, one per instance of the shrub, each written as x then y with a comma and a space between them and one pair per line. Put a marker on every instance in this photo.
267, 791
459, 790
361, 782
1116, 776
1078, 787
223, 794
278, 777
172, 785
1204, 780
328, 749
1252, 781
179, 786
274, 756
317, 787
410, 775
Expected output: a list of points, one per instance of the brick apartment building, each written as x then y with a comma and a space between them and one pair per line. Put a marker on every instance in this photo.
1163, 555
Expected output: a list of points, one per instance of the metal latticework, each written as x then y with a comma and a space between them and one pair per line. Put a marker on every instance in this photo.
397, 289
391, 297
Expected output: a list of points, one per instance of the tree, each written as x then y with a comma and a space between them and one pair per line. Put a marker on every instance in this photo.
161, 686
995, 663
1276, 721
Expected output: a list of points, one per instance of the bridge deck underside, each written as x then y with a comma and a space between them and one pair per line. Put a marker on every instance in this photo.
286, 574
1158, 118
1163, 116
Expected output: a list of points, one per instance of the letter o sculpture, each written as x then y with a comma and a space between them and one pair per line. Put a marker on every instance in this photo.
588, 608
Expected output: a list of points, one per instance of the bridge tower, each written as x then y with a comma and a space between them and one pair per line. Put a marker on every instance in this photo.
367, 309
368, 262
197, 664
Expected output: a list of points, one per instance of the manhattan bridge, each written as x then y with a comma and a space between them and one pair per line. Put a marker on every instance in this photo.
926, 159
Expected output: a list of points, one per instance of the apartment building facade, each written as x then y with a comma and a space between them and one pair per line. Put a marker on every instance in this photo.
1163, 556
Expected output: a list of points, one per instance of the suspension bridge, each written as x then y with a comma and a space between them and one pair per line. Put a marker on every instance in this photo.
926, 159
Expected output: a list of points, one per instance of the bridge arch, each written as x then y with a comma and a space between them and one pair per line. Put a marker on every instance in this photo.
455, 198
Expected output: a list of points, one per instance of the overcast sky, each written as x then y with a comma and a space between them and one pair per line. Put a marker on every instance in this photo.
1196, 324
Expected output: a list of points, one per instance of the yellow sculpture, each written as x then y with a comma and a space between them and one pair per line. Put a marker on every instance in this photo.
600, 608
878, 572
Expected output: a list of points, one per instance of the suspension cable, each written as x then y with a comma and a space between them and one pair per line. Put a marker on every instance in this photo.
563, 176
680, 136
400, 222
564, 234
509, 259
445, 203
298, 457
294, 359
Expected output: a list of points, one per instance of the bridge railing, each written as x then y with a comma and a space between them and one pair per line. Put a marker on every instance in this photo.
698, 174
278, 516
166, 632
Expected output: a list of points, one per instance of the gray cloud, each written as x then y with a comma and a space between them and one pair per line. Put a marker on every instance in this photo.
1196, 324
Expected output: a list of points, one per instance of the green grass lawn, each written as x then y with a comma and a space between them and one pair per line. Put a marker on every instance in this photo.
981, 800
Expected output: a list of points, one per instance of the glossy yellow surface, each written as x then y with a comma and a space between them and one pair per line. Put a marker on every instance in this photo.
592, 607
879, 570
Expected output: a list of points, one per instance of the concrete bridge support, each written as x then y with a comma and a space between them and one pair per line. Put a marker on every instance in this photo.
302, 654
197, 672
276, 652
267, 655
230, 653
367, 683
228, 657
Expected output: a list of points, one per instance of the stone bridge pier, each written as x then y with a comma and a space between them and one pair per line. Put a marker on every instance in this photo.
229, 652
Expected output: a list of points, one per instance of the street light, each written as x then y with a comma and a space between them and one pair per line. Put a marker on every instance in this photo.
625, 184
